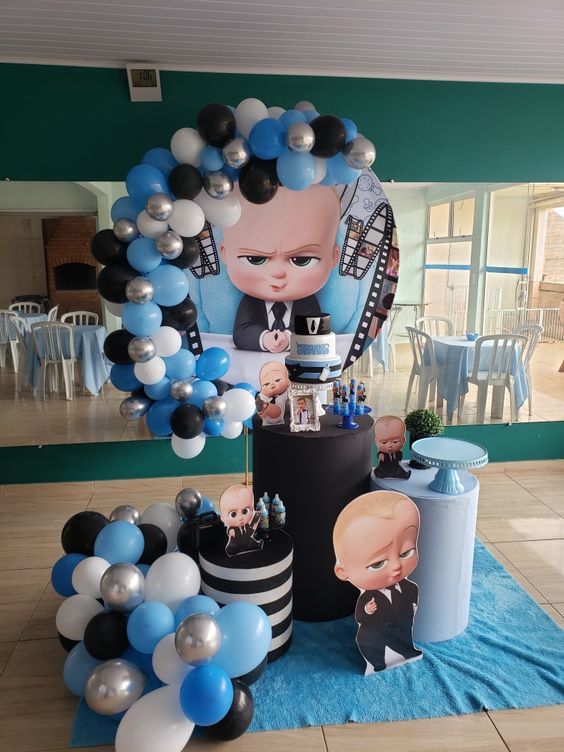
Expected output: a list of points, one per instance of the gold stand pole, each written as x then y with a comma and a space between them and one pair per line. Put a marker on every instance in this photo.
246, 435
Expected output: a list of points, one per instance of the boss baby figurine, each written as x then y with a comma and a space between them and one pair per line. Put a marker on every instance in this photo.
375, 542
389, 435
271, 401
237, 512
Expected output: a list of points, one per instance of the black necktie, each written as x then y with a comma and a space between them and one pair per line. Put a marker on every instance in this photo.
278, 310
395, 594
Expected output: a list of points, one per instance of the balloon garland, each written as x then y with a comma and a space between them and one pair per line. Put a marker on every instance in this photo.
146, 256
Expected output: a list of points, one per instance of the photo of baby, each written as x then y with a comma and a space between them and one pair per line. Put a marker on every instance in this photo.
303, 411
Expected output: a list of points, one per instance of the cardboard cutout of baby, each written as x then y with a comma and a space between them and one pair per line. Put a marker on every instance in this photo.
271, 401
237, 512
389, 435
375, 542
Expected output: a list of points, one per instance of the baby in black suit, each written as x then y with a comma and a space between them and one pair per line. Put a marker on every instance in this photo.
237, 512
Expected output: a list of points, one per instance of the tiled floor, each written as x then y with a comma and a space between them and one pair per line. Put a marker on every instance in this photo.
521, 520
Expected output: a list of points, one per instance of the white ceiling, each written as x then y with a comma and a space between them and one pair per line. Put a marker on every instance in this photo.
483, 40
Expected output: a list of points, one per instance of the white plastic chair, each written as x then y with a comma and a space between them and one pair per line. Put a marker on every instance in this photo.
25, 306
504, 356
533, 333
21, 377
435, 326
7, 324
80, 318
393, 318
53, 341
424, 367
52, 315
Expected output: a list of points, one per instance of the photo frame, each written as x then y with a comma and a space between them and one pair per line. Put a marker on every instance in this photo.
303, 410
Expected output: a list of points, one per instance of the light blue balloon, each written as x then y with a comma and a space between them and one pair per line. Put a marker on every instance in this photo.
310, 115
124, 378
213, 427
141, 320
340, 171
195, 604
79, 664
206, 506
290, 117
144, 568
350, 129
160, 158
181, 365
267, 138
212, 364
246, 634
206, 695
295, 171
148, 624
246, 386
248, 423
61, 574
121, 541
143, 180
232, 172
211, 158
201, 390
160, 390
328, 179
124, 208
142, 255
158, 417
170, 285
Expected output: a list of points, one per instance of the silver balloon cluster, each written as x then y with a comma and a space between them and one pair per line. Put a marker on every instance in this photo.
198, 638
170, 245
139, 290
359, 153
126, 230
141, 349
236, 153
114, 686
126, 513
214, 408
300, 138
159, 206
181, 390
217, 185
133, 408
188, 502
123, 587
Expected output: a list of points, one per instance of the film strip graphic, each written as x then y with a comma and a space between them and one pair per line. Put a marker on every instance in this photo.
363, 243
208, 261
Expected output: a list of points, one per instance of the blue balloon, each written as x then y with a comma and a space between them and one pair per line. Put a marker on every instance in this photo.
350, 129
213, 427
124, 208
148, 624
160, 390
144, 568
246, 634
201, 390
340, 171
290, 117
212, 364
295, 171
248, 423
124, 378
61, 574
160, 158
79, 664
206, 695
142, 255
141, 320
181, 365
211, 158
195, 604
328, 179
121, 541
170, 285
233, 172
248, 387
310, 115
206, 506
158, 417
267, 138
143, 180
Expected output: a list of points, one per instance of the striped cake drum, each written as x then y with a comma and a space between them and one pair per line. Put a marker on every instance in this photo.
262, 577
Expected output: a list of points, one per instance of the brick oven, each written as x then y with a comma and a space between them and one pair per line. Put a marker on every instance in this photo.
71, 270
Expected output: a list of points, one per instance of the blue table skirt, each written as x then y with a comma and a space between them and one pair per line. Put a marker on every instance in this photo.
380, 346
29, 318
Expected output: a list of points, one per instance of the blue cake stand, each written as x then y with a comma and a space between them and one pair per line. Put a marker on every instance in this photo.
449, 455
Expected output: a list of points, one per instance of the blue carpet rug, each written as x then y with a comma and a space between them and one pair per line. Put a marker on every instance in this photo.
511, 656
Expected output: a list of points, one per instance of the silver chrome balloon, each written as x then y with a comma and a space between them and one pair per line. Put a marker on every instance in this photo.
188, 502
139, 290
198, 638
141, 349
304, 105
300, 138
181, 390
126, 513
133, 408
236, 153
159, 206
170, 245
125, 230
214, 407
123, 587
217, 185
359, 153
114, 686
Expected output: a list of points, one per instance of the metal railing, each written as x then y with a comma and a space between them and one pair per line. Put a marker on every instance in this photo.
506, 320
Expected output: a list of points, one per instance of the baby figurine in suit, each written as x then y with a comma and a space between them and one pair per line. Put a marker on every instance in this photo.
237, 512
375, 542
273, 395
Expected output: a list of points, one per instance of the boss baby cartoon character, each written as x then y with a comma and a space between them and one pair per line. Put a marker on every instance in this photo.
389, 434
279, 255
375, 542
237, 512
271, 401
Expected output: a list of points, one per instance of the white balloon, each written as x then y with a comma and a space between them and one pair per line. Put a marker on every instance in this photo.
149, 227
164, 516
188, 448
275, 112
304, 105
232, 430
187, 218
249, 112
155, 723
115, 308
172, 578
74, 614
87, 574
223, 212
167, 664
186, 146
150, 372
240, 404
320, 169
167, 341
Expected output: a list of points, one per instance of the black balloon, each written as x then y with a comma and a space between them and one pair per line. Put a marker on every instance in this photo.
112, 281
182, 316
216, 124
107, 249
239, 715
258, 180
155, 543
115, 347
187, 421
105, 635
80, 531
188, 538
254, 675
67, 644
190, 254
221, 386
330, 136
185, 181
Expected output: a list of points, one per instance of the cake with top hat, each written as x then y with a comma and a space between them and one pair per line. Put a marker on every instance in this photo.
313, 357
